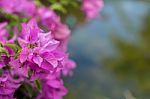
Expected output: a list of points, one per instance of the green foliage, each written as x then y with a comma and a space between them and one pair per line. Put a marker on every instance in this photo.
15, 47
38, 84
133, 61
2, 50
26, 89
66, 8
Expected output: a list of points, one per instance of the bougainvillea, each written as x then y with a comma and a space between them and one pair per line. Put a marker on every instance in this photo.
33, 47
92, 8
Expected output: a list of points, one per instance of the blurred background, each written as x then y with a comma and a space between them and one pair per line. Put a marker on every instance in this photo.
112, 53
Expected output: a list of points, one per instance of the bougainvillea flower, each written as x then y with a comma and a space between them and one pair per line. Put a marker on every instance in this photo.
26, 7
35, 57
20, 68
39, 50
3, 33
53, 88
92, 8
69, 66
52, 21
4, 60
8, 85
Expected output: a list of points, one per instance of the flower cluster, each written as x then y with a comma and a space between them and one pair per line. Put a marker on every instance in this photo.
39, 53
53, 22
9, 82
31, 55
25, 7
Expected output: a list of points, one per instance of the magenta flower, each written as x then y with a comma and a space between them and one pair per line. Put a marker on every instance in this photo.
29, 34
26, 7
21, 69
39, 51
34, 54
69, 66
49, 18
52, 88
3, 33
92, 8
8, 85
4, 60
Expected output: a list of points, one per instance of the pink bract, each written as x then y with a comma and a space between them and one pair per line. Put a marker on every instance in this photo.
92, 8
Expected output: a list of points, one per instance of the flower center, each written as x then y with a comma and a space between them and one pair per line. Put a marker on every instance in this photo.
32, 45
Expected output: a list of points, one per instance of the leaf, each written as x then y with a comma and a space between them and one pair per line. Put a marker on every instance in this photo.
29, 89
1, 72
15, 47
29, 73
37, 2
59, 7
38, 84
2, 50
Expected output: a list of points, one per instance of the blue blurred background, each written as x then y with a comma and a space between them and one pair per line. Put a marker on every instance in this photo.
112, 53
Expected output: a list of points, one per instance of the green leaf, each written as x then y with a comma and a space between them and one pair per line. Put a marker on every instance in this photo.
15, 47
1, 72
58, 7
38, 84
29, 89
2, 50
64, 2
29, 73
37, 2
